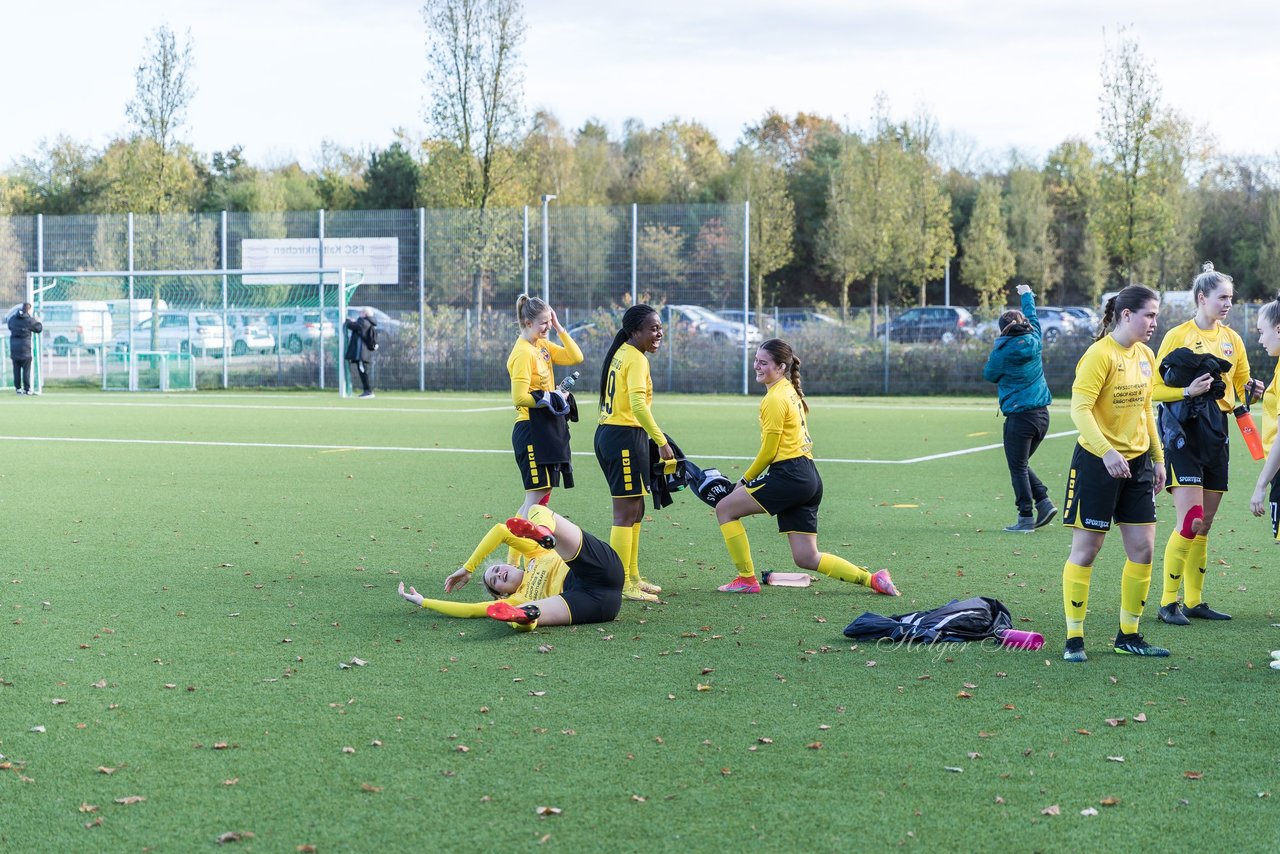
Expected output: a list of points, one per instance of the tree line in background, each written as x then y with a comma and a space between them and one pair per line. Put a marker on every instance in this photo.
846, 216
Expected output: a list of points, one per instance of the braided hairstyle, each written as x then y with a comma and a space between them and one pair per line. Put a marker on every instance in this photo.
1207, 282
1132, 298
782, 354
632, 320
529, 309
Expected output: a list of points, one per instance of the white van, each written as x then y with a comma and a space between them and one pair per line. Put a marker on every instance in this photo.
72, 325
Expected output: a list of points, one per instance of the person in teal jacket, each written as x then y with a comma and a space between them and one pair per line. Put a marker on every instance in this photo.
1015, 366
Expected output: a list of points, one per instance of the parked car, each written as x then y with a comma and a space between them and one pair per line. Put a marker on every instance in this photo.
250, 332
944, 323
1085, 317
72, 324
704, 321
298, 329
179, 332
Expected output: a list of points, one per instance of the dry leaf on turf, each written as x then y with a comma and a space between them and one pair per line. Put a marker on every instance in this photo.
88, 808
1054, 809
368, 787
1115, 758
1116, 721
131, 799
1088, 811
1193, 775
1140, 717
547, 810
102, 769
1110, 801
234, 836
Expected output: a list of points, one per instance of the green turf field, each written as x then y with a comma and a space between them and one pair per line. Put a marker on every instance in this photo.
185, 575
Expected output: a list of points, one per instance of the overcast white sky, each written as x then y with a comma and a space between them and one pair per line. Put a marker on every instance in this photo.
278, 76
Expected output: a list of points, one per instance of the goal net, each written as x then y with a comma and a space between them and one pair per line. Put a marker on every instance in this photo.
168, 330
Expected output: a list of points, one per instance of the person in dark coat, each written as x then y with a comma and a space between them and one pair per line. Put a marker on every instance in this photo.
21, 325
1015, 365
361, 346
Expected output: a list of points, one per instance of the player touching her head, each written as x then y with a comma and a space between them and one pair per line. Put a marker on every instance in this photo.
783, 481
569, 576
622, 437
530, 369
1117, 467
1197, 466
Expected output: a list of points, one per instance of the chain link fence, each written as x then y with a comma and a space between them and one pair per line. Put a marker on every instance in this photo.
445, 284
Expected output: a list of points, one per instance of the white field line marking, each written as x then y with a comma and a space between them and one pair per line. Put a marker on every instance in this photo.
275, 406
409, 449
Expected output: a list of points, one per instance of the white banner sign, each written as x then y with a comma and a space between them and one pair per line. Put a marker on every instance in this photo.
378, 258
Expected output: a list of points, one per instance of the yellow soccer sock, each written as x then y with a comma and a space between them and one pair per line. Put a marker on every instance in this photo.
540, 515
1196, 560
1134, 584
1075, 596
1175, 566
633, 563
842, 570
620, 538
735, 540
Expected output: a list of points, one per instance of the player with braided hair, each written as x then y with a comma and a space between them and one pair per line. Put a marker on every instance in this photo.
783, 482
622, 437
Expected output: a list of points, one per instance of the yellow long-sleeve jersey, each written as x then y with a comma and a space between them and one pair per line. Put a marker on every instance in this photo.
529, 366
544, 574
784, 428
1270, 407
1221, 341
628, 393
1111, 400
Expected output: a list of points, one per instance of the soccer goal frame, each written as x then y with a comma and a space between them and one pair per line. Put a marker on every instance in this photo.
265, 287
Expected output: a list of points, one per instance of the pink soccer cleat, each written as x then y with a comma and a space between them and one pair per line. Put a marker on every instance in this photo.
540, 534
741, 584
882, 583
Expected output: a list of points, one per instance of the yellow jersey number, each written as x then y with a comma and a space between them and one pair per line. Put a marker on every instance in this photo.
610, 388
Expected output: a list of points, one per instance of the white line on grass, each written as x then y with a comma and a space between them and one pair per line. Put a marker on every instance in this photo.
410, 449
273, 406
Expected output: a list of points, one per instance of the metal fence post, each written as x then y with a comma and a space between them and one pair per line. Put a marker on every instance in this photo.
320, 337
422, 299
746, 288
226, 329
886, 348
133, 356
635, 220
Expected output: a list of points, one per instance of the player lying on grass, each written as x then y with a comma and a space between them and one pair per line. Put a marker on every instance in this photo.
783, 482
570, 577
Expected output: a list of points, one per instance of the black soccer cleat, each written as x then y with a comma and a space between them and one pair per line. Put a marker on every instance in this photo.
1133, 644
1204, 612
1074, 650
1172, 614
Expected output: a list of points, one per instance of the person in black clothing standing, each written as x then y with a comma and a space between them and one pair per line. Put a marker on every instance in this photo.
361, 346
21, 325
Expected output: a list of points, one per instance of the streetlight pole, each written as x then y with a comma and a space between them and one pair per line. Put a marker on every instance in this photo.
546, 257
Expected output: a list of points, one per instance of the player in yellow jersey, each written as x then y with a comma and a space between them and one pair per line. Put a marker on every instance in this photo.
1198, 460
569, 577
1117, 468
625, 429
530, 368
783, 482
1269, 338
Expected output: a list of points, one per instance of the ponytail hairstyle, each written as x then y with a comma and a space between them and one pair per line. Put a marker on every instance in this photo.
1132, 298
529, 309
1270, 313
632, 320
1207, 282
782, 354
